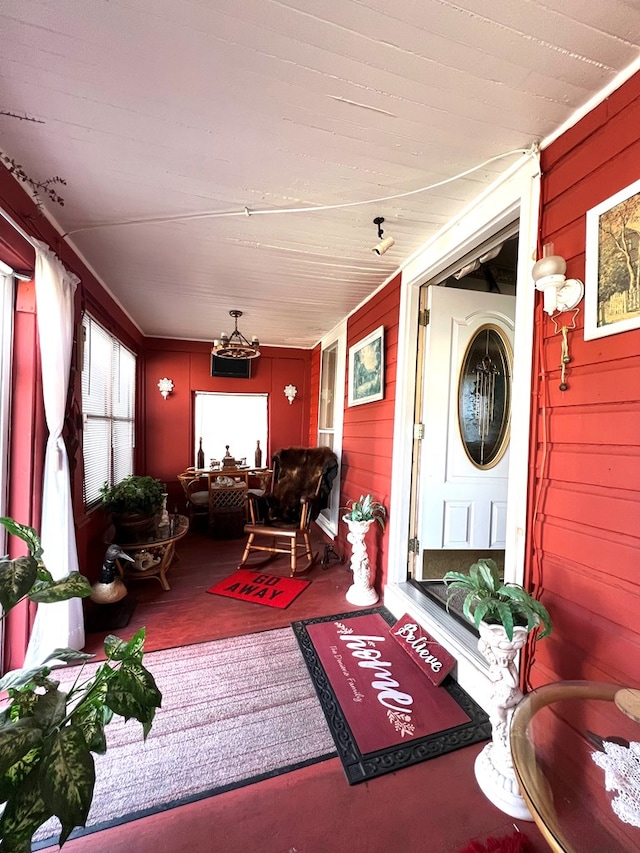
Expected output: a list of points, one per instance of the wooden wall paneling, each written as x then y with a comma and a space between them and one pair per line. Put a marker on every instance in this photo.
585, 454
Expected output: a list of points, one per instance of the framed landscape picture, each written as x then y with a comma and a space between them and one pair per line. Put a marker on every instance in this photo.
366, 369
612, 269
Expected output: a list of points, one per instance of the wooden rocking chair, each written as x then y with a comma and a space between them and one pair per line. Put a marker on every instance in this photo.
280, 520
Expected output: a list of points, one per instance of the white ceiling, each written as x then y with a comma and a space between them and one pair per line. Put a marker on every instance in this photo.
169, 114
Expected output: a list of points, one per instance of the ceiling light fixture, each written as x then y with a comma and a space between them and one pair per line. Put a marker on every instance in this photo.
385, 243
235, 345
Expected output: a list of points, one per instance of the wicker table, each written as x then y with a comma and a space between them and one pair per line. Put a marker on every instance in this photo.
153, 556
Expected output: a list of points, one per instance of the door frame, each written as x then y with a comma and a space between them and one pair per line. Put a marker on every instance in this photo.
513, 196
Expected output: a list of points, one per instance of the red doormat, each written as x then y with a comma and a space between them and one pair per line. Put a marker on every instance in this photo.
382, 710
256, 587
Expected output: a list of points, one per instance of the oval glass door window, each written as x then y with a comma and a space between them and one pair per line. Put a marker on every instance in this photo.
484, 397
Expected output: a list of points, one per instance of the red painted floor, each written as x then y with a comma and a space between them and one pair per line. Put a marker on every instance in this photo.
433, 807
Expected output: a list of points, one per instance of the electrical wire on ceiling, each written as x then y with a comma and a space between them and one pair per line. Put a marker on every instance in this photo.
533, 151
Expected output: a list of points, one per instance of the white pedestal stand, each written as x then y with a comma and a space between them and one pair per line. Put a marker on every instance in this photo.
360, 592
494, 766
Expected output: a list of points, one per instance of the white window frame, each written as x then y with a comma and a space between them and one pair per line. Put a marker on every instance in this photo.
7, 305
329, 518
113, 470
214, 448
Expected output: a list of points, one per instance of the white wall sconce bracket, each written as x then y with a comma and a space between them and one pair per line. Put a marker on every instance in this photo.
560, 293
290, 392
166, 387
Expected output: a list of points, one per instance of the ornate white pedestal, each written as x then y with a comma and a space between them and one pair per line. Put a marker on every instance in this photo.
360, 593
494, 767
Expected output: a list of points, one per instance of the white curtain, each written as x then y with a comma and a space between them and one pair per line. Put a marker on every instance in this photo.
60, 624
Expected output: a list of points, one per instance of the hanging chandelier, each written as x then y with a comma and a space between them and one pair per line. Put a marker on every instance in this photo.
235, 345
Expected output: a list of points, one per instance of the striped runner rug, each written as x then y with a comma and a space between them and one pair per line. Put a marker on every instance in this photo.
234, 711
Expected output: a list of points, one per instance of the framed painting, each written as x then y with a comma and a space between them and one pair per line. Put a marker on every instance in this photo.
612, 270
366, 369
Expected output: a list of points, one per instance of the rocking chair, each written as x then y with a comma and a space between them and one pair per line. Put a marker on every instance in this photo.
280, 520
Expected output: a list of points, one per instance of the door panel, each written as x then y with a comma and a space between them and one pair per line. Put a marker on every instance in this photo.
462, 504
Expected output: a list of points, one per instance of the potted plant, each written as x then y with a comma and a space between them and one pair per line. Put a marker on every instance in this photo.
47, 736
366, 509
359, 518
490, 600
133, 503
505, 614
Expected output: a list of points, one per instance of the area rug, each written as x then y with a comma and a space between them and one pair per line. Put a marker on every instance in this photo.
258, 588
382, 710
234, 711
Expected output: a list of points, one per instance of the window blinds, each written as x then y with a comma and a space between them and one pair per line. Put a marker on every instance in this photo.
108, 407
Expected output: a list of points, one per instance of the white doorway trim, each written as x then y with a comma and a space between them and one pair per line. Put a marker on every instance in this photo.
515, 196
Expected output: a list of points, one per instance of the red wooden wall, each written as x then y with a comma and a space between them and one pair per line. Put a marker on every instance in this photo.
584, 542
169, 423
367, 442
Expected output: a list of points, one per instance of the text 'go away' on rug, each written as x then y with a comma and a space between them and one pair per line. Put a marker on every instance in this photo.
259, 588
382, 710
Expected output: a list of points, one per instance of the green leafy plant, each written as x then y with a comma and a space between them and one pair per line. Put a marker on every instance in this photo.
489, 599
366, 509
48, 735
135, 494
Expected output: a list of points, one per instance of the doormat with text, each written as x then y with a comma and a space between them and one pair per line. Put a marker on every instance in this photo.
259, 588
382, 710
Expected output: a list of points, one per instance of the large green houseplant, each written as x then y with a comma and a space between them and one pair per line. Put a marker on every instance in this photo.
134, 494
488, 599
47, 735
134, 504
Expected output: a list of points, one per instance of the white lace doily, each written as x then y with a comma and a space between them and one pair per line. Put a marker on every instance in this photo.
621, 767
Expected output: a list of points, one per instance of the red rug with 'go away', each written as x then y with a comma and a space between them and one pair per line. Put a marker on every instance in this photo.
259, 588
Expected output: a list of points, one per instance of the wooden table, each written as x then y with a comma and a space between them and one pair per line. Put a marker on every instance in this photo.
153, 557
562, 785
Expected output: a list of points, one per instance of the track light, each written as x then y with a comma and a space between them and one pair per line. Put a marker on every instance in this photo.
385, 243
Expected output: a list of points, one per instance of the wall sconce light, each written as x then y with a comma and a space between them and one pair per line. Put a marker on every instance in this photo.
166, 387
290, 392
385, 244
560, 293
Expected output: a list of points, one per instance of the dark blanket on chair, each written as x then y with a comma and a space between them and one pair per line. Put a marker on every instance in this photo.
296, 471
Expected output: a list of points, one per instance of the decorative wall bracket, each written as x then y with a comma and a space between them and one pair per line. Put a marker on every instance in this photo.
166, 387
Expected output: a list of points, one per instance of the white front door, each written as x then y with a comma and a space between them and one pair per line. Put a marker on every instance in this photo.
462, 501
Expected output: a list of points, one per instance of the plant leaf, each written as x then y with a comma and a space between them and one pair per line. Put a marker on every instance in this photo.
74, 585
66, 656
24, 813
16, 740
506, 617
117, 649
12, 779
67, 776
16, 579
488, 576
133, 691
50, 708
27, 534
19, 677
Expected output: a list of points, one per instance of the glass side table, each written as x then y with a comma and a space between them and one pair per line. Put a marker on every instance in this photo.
154, 555
554, 731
